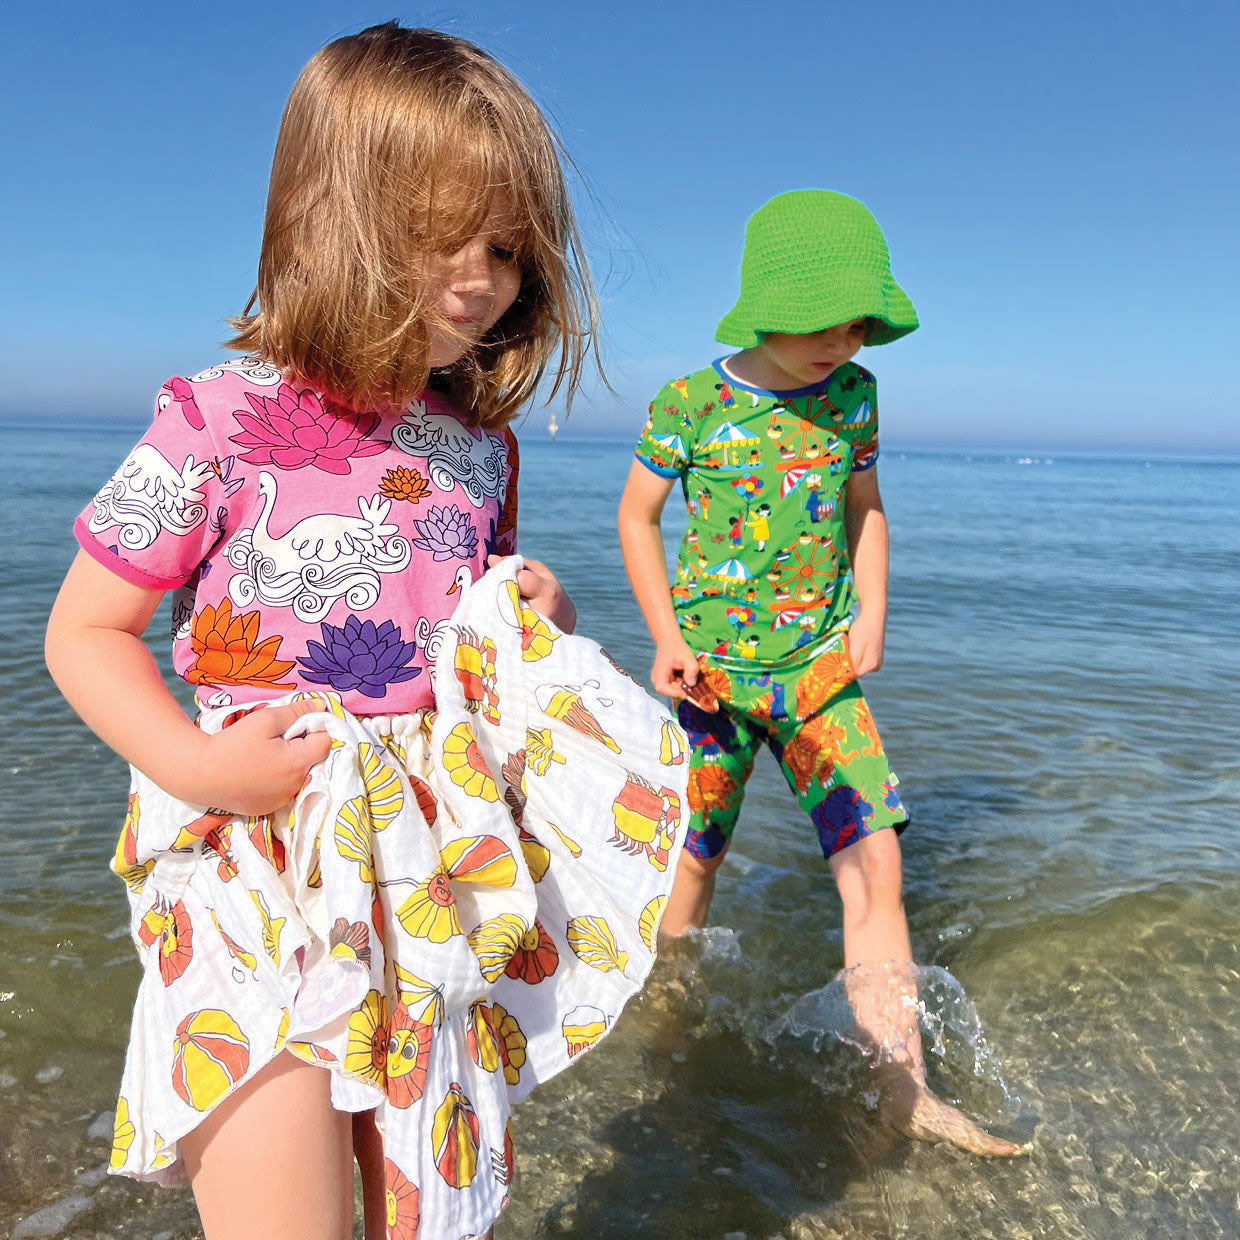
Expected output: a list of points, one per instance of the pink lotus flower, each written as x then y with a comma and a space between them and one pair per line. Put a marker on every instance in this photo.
296, 429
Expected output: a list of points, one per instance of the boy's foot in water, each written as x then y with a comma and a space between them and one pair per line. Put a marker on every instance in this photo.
924, 1117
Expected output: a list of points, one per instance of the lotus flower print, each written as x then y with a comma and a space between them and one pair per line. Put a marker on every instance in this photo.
359, 657
446, 532
294, 429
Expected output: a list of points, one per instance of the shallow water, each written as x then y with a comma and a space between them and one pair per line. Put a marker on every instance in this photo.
1061, 702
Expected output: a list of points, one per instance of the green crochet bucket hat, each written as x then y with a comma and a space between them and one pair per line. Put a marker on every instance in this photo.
814, 258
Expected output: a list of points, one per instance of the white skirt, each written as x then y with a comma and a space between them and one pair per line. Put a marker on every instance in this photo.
455, 906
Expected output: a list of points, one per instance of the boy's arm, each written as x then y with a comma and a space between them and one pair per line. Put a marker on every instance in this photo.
866, 525
675, 668
96, 655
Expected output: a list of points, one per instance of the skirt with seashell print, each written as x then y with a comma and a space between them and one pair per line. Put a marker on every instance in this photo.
456, 905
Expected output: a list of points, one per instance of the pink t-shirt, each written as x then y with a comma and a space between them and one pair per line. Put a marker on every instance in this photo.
309, 546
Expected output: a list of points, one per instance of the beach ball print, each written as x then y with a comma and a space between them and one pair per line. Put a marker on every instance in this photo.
408, 1052
402, 1203
210, 1055
455, 1135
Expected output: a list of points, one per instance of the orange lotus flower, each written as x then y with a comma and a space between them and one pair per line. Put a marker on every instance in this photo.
227, 651
404, 483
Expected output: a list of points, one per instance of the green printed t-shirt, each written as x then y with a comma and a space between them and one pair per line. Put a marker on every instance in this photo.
763, 568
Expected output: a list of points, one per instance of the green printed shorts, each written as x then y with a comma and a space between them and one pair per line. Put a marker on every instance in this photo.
814, 717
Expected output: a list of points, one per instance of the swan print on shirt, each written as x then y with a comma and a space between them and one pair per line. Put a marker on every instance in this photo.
148, 494
318, 560
453, 453
309, 546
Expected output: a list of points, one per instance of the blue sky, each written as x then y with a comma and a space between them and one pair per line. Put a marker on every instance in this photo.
1058, 184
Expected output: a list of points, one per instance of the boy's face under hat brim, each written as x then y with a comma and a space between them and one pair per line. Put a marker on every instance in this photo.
814, 259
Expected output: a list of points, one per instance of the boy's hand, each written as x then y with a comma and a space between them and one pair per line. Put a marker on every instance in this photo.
865, 645
675, 674
251, 769
542, 591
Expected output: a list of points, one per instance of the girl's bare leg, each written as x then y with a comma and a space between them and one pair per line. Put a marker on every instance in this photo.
882, 990
368, 1150
274, 1159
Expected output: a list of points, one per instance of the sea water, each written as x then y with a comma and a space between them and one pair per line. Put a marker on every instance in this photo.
1061, 699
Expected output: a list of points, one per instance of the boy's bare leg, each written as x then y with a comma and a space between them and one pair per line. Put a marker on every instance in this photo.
882, 990
692, 890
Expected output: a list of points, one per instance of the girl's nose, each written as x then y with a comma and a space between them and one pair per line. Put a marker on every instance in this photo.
471, 270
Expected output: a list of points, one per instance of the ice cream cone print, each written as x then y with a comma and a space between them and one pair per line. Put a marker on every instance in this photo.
582, 1028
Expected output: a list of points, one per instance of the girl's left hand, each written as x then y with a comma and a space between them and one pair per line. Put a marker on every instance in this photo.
540, 589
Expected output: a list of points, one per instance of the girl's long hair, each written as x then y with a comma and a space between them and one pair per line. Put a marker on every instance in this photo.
393, 146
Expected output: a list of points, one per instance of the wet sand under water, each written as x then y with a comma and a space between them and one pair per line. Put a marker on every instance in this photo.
699, 1119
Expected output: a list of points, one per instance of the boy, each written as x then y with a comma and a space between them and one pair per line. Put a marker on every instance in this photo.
780, 598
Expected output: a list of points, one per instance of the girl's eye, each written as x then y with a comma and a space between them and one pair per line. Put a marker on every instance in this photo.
504, 253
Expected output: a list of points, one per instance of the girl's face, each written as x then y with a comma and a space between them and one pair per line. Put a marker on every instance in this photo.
477, 284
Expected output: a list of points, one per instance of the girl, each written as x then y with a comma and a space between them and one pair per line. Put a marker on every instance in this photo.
347, 903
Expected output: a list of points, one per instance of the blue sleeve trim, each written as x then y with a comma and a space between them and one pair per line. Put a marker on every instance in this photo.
654, 469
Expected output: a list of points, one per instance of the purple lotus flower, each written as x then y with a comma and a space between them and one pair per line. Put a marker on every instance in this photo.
840, 818
359, 657
446, 532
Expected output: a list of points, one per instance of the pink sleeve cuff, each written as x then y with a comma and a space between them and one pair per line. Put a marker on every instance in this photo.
114, 564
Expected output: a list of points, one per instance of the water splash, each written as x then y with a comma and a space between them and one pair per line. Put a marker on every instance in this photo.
946, 1017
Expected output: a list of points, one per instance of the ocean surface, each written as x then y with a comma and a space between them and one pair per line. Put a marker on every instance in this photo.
1061, 699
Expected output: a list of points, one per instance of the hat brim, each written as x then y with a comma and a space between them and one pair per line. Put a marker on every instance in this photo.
888, 308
